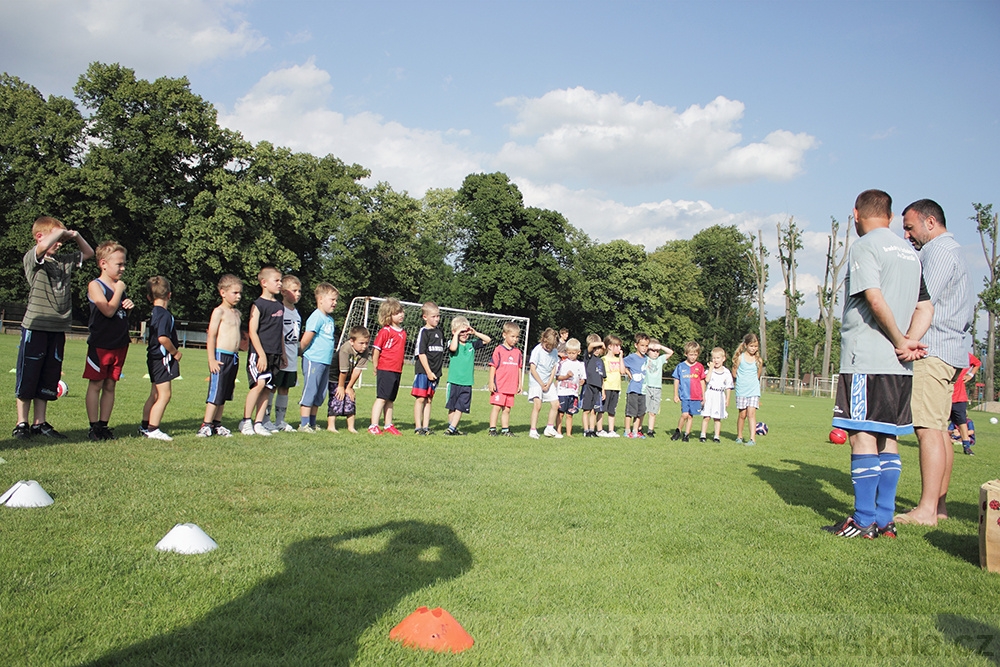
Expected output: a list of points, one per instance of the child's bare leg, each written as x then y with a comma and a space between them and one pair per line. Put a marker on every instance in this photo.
108, 399
568, 420
93, 400
160, 396
553, 412
210, 413
505, 418
250, 407
628, 424
536, 407
427, 411
718, 427
739, 424
377, 410
704, 425
599, 421
453, 418
262, 400
388, 413
751, 422
418, 412
611, 423
350, 424
493, 416
652, 421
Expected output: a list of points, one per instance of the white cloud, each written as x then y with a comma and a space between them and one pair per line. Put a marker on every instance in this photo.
290, 107
579, 135
51, 42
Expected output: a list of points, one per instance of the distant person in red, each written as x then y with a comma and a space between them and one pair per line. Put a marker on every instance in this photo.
960, 402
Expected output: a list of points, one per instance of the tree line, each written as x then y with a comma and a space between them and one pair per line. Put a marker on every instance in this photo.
147, 164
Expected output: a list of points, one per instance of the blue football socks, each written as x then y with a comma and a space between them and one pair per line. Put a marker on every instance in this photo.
885, 502
865, 473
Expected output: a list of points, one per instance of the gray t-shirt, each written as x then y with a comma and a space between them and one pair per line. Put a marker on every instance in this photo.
50, 297
878, 259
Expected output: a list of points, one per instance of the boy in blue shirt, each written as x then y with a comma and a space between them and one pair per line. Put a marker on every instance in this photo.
318, 344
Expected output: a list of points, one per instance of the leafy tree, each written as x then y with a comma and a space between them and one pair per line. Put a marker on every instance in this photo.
727, 283
39, 147
836, 257
986, 225
789, 241
758, 261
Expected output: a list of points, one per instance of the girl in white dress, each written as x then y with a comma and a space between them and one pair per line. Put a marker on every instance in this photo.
718, 387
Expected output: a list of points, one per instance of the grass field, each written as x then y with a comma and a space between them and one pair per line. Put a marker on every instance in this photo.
571, 552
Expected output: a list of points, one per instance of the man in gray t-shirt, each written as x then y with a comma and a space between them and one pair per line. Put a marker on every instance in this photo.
885, 297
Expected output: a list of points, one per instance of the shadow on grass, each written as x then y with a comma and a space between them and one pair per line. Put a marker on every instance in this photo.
316, 610
978, 637
801, 486
965, 547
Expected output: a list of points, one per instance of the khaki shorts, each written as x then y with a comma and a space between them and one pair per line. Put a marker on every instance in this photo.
930, 403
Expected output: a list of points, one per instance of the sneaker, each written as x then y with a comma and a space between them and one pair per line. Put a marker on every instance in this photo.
968, 451
258, 429
888, 531
205, 431
602, 433
686, 437
374, 429
702, 438
94, 433
219, 429
157, 434
849, 528
493, 433
306, 428
639, 434
246, 427
507, 434
717, 440
285, 427
418, 431
22, 431
613, 434
270, 426
551, 432
391, 430
750, 443
107, 433
739, 441
453, 431
676, 435
534, 434
427, 431
46, 429
650, 433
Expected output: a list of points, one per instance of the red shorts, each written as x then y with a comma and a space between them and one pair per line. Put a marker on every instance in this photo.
503, 400
102, 364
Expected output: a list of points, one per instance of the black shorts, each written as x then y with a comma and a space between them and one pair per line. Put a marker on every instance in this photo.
286, 379
959, 413
222, 384
266, 376
459, 398
569, 405
874, 403
163, 369
39, 364
610, 402
387, 385
591, 398
635, 405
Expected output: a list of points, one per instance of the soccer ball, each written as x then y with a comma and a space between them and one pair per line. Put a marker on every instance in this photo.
761, 428
993, 420
62, 389
838, 436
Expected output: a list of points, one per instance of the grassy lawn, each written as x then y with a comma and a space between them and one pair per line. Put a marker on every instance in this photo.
575, 552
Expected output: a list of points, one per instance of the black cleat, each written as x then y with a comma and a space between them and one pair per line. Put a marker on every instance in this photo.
45, 429
849, 528
650, 433
451, 431
677, 435
888, 531
22, 431
686, 437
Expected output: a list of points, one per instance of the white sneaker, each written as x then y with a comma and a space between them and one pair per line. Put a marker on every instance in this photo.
613, 434
269, 425
205, 431
602, 433
551, 432
246, 427
259, 429
306, 428
533, 434
285, 426
157, 434
223, 431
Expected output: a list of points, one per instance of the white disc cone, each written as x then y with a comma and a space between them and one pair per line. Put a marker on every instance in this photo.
186, 538
26, 494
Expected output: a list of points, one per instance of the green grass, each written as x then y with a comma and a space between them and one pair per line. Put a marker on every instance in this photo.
573, 552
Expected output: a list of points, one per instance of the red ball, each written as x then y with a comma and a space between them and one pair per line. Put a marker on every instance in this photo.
838, 436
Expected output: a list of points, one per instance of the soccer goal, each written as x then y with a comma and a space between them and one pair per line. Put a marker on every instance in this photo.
364, 312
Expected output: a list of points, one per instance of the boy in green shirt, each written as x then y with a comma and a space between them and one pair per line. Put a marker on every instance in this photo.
461, 369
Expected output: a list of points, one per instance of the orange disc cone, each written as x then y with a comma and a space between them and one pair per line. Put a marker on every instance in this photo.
433, 629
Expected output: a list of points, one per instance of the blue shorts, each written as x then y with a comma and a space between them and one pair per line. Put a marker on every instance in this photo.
315, 379
689, 407
459, 398
569, 405
423, 387
222, 384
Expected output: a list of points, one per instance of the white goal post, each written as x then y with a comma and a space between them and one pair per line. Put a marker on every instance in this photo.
363, 311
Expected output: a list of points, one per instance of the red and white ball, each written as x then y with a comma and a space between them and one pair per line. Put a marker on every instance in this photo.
62, 389
838, 436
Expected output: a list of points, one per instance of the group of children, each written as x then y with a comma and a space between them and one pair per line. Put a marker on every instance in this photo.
560, 372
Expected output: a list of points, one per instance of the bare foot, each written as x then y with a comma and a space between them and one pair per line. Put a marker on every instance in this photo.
352, 430
331, 429
914, 519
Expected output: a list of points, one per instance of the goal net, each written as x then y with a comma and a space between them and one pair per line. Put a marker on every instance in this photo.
364, 312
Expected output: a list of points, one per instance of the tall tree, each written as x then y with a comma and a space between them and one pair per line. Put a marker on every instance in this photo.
790, 240
40, 143
836, 257
758, 262
727, 284
986, 225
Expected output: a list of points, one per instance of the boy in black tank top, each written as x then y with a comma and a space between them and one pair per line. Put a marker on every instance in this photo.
266, 354
109, 339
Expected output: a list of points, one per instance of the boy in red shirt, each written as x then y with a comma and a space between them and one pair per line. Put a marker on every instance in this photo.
506, 375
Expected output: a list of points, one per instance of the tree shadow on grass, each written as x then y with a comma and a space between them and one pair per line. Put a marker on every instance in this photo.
316, 610
801, 486
978, 637
965, 547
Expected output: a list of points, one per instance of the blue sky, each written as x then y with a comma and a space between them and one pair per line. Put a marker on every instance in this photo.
639, 120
